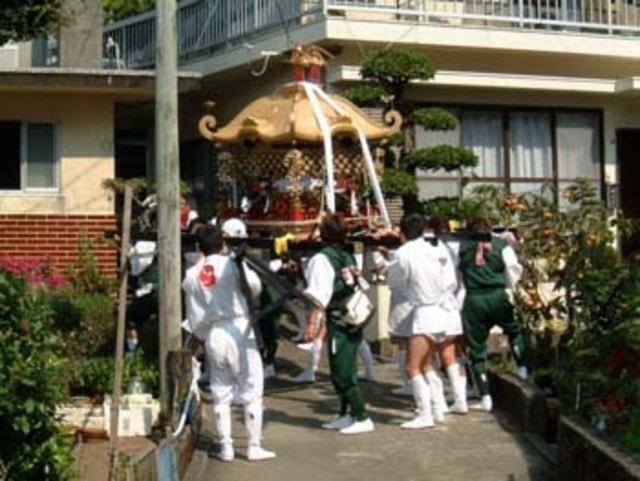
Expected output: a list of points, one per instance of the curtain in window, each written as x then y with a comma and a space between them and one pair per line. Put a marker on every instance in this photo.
578, 143
482, 133
531, 149
41, 158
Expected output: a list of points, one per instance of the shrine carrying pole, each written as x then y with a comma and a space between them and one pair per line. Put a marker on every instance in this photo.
168, 191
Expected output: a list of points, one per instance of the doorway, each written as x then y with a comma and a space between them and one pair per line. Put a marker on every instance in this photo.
628, 142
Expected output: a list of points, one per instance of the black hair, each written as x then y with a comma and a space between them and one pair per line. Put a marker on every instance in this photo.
332, 230
195, 225
479, 224
412, 226
437, 224
209, 239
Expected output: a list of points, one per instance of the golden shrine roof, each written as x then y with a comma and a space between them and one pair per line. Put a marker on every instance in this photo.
287, 117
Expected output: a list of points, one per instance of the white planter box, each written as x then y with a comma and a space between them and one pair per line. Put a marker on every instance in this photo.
138, 413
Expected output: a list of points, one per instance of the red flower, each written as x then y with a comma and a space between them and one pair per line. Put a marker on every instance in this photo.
614, 404
622, 357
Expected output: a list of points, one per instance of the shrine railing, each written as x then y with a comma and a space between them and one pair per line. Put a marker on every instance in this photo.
207, 25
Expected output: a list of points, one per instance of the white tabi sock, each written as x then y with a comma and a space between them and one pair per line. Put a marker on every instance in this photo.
364, 350
436, 389
222, 416
422, 397
459, 386
253, 423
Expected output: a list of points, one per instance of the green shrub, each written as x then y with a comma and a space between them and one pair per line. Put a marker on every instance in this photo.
398, 182
94, 376
434, 118
396, 67
365, 94
87, 322
447, 157
32, 375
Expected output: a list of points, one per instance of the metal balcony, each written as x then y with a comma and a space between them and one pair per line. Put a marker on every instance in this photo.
207, 25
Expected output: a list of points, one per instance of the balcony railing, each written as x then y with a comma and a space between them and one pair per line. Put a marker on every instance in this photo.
207, 25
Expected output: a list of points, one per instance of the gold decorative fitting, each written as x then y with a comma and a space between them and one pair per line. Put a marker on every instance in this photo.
287, 117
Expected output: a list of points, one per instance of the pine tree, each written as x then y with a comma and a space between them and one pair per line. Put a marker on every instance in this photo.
387, 74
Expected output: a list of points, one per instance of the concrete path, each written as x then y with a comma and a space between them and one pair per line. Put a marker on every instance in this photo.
477, 447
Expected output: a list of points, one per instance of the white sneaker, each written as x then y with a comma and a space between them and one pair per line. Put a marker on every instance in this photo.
438, 415
256, 453
305, 377
339, 423
485, 404
459, 408
305, 346
359, 427
522, 372
404, 390
419, 422
269, 371
226, 453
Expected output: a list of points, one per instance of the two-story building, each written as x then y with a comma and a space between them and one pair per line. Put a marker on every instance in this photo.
545, 90
59, 111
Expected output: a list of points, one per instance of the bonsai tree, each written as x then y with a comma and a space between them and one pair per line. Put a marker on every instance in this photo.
387, 74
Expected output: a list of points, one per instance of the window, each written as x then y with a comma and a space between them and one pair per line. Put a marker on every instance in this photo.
521, 149
28, 157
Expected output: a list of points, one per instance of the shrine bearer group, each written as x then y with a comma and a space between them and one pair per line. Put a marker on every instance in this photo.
429, 279
218, 313
424, 270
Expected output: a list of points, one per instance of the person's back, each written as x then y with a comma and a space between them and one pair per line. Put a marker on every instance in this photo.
219, 314
488, 269
482, 264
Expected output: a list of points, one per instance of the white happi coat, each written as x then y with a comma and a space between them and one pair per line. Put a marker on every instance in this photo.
217, 313
426, 274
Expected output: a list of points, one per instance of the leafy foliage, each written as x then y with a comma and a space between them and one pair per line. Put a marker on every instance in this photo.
453, 208
447, 157
398, 182
28, 19
93, 376
434, 118
85, 275
395, 68
365, 94
391, 71
32, 373
579, 302
115, 10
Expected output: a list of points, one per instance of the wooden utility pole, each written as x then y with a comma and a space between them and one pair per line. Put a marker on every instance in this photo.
168, 190
114, 415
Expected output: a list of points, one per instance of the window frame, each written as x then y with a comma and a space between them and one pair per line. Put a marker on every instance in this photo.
553, 112
24, 146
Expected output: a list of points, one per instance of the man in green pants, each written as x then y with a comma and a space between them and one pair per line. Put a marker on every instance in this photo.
330, 278
488, 269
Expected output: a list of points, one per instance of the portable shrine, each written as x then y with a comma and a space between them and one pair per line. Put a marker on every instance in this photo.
299, 152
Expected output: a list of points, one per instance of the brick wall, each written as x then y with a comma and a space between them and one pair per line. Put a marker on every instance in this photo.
56, 238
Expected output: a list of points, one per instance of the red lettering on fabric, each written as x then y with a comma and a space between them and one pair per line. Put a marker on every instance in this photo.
208, 276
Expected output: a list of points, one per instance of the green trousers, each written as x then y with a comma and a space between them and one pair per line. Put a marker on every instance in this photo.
343, 350
269, 331
482, 310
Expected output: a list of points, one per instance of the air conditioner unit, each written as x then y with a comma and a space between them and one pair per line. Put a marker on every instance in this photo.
9, 57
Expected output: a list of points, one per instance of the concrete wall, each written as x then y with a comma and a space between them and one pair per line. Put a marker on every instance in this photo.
80, 42
85, 140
